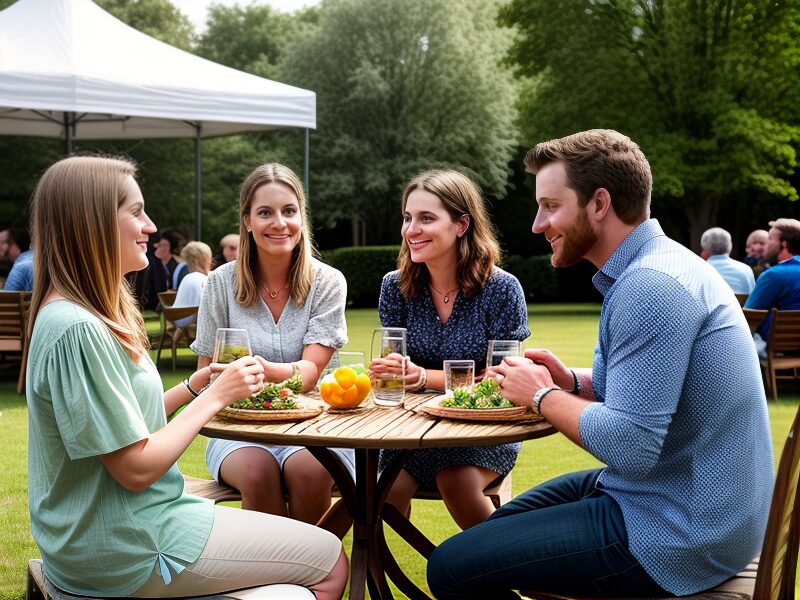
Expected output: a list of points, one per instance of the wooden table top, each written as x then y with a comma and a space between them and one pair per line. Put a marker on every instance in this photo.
379, 427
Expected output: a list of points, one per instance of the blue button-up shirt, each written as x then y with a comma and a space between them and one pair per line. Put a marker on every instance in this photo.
681, 421
20, 279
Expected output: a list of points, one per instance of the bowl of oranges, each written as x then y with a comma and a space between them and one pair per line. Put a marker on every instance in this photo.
345, 387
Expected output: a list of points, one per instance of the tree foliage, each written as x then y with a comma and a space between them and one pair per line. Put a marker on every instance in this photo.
709, 88
402, 86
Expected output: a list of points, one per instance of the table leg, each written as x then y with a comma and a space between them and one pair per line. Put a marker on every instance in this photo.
365, 500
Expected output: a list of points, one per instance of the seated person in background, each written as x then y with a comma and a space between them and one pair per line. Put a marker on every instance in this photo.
674, 407
167, 249
5, 262
452, 298
230, 250
20, 278
755, 249
716, 247
779, 286
107, 502
197, 257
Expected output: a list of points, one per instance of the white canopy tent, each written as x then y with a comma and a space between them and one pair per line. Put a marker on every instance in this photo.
69, 69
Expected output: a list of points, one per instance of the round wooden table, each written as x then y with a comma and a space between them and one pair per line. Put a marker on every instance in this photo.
368, 430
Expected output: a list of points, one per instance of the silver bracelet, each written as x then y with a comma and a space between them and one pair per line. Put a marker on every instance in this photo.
189, 387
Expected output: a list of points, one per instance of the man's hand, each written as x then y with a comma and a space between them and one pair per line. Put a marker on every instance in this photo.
561, 375
520, 378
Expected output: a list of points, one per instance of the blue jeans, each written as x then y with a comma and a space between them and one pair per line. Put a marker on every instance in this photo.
562, 536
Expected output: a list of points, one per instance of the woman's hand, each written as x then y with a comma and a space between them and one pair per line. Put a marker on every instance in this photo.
391, 364
200, 378
239, 379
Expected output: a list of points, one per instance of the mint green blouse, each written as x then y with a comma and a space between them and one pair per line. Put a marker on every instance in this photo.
87, 398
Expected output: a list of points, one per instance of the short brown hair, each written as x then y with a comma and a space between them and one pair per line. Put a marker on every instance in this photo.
477, 250
601, 158
790, 233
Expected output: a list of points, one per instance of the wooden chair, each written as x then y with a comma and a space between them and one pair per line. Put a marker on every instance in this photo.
783, 348
742, 298
772, 577
754, 317
14, 310
499, 493
172, 334
167, 299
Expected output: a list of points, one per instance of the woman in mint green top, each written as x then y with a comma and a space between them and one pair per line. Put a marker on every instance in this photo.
107, 502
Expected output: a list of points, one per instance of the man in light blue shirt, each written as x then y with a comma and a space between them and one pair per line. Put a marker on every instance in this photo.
20, 279
716, 247
674, 406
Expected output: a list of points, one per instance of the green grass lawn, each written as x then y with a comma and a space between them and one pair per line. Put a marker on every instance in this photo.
568, 330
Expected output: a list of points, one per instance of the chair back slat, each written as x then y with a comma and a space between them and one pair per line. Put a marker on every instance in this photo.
785, 333
778, 563
754, 317
12, 315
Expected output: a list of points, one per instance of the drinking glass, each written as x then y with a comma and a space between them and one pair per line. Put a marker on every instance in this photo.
388, 389
499, 349
458, 374
231, 344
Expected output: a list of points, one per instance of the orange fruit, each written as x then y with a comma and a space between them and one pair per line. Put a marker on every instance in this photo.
329, 387
345, 377
364, 385
336, 394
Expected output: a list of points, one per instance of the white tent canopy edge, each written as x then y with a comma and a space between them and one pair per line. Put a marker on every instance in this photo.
69, 69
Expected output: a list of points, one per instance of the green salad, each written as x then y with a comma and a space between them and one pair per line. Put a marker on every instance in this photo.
485, 394
274, 396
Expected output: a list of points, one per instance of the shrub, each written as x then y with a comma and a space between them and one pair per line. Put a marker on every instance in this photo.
364, 268
544, 283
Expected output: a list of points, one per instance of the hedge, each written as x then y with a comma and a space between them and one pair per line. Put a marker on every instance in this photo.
365, 266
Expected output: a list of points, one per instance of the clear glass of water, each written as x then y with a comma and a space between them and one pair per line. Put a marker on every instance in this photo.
499, 349
388, 384
458, 374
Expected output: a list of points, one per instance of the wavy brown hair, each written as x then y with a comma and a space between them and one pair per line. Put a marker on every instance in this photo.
300, 272
75, 235
477, 251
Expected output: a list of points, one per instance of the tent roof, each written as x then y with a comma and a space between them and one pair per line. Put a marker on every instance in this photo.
71, 55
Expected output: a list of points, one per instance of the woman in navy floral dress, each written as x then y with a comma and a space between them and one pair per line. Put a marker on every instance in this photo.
452, 298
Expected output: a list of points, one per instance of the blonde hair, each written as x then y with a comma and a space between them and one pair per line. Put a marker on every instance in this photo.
477, 251
300, 272
75, 233
197, 256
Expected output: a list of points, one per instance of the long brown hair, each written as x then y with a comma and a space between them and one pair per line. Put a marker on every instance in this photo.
300, 272
75, 236
477, 251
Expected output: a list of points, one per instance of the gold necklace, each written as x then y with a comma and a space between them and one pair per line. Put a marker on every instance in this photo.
272, 295
445, 297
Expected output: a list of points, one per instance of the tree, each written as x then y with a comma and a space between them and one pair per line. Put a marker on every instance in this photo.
157, 18
709, 89
402, 86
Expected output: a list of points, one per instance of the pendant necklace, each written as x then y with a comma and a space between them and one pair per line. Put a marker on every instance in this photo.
445, 297
273, 295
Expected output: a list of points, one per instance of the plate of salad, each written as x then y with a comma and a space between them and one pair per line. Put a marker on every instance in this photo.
481, 402
275, 402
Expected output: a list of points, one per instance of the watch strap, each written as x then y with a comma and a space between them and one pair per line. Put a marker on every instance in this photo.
539, 395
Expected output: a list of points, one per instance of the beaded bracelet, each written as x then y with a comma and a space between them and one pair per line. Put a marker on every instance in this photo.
422, 381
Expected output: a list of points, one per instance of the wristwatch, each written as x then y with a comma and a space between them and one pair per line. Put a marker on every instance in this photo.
537, 397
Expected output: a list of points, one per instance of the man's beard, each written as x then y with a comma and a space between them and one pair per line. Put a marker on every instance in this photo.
575, 243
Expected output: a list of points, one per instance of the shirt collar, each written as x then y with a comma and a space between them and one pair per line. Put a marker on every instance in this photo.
625, 253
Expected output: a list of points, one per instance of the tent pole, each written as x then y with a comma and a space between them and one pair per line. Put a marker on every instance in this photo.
197, 182
69, 121
305, 165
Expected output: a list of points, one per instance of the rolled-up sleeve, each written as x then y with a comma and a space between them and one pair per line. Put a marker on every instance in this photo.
327, 324
653, 324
